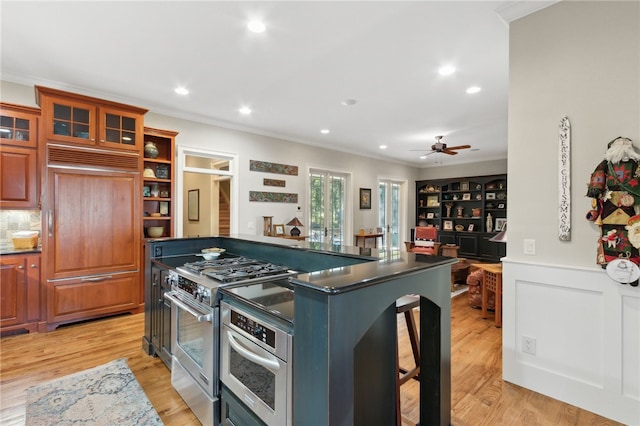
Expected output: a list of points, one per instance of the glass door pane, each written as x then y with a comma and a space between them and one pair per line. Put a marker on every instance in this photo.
389, 213
327, 207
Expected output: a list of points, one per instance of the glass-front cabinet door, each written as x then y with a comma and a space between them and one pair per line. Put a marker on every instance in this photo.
18, 125
71, 122
119, 129
77, 119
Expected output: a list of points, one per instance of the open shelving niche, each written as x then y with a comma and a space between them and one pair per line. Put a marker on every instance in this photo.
459, 207
159, 210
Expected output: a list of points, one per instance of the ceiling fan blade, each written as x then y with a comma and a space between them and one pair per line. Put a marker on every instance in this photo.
446, 151
459, 147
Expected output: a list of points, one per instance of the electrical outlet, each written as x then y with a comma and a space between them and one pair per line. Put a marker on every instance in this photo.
529, 345
529, 246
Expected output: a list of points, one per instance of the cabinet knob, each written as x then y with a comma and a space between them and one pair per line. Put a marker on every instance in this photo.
33, 265
20, 267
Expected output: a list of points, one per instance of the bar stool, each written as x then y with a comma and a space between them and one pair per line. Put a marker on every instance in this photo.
405, 305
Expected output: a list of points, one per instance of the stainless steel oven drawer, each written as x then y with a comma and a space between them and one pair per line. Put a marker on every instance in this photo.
205, 408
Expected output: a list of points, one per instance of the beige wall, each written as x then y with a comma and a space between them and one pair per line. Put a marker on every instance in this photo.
579, 59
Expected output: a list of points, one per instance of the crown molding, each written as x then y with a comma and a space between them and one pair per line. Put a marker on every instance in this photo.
510, 11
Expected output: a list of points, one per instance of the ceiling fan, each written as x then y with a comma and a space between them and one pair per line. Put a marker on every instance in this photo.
442, 147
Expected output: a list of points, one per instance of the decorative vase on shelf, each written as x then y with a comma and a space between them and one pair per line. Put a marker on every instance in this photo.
155, 190
489, 223
151, 150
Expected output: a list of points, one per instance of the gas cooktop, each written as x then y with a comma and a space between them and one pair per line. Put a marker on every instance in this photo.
235, 269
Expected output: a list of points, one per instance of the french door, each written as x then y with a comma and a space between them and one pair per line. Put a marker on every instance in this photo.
390, 212
328, 192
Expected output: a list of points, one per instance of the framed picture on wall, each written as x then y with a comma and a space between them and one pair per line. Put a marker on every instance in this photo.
193, 203
464, 186
466, 196
365, 198
500, 222
470, 228
491, 195
447, 225
278, 230
430, 215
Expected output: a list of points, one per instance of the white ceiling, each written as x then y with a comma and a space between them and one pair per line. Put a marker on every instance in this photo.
294, 76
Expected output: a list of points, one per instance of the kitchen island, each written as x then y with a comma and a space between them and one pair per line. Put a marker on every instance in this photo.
344, 344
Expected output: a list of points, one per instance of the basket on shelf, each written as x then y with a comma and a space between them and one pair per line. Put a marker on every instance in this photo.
25, 239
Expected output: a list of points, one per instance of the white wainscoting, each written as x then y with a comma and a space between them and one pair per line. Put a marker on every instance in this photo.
587, 334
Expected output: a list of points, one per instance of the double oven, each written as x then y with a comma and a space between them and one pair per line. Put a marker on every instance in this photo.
198, 361
256, 354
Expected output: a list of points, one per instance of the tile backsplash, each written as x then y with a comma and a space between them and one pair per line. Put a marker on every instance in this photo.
18, 220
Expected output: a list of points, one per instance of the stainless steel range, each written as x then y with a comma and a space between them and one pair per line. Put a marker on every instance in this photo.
195, 324
237, 270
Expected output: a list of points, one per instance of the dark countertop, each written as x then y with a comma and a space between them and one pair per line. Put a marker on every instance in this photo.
331, 269
9, 249
390, 266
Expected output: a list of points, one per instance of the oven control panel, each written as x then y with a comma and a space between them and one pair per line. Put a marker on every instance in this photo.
254, 328
197, 291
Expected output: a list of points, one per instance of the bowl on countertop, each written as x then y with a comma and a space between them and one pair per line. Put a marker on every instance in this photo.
212, 252
210, 256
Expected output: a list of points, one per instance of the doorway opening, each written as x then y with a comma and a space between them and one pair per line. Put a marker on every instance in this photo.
208, 193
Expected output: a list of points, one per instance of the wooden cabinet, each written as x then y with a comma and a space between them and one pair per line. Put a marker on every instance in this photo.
82, 120
461, 209
158, 181
19, 292
76, 299
18, 157
92, 226
92, 213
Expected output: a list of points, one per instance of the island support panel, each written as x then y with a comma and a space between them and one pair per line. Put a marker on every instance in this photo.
345, 347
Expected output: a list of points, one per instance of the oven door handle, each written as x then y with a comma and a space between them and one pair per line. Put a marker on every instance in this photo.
271, 363
179, 303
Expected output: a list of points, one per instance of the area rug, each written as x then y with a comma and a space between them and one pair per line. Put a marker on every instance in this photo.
105, 395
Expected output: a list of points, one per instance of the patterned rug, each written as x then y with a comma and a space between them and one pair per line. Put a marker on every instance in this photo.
105, 395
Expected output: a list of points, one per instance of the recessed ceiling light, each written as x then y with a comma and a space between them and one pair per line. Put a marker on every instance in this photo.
325, 131
349, 102
383, 147
245, 110
256, 26
181, 90
422, 157
447, 70
473, 89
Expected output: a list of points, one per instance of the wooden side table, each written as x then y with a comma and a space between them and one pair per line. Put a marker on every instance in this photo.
492, 281
365, 237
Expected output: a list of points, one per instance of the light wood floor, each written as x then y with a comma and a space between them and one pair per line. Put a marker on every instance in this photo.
479, 396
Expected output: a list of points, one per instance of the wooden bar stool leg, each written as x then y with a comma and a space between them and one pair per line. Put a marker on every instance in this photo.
406, 305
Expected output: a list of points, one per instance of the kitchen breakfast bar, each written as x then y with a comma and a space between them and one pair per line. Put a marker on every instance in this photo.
343, 327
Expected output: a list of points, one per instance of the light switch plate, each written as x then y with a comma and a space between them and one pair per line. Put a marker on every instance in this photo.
529, 246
